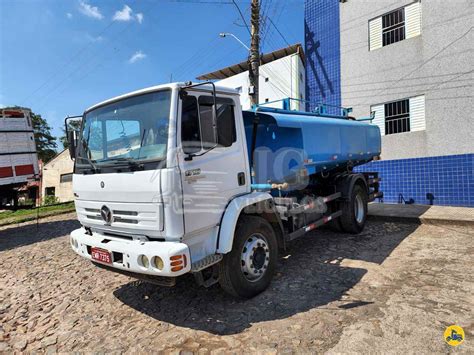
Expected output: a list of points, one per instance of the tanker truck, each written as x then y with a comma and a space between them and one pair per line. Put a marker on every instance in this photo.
177, 179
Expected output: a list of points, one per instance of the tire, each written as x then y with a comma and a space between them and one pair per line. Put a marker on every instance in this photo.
354, 211
335, 224
254, 239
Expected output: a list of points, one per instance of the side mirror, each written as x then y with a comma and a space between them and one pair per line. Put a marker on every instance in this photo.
72, 140
71, 128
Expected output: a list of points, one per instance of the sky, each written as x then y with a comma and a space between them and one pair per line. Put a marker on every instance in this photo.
61, 57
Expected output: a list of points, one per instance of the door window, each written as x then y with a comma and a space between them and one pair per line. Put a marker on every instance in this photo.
190, 130
197, 131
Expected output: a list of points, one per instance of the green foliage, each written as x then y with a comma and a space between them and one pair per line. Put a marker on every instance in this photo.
26, 202
23, 215
45, 141
50, 200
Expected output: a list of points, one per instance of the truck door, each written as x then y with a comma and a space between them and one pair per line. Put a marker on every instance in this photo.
212, 162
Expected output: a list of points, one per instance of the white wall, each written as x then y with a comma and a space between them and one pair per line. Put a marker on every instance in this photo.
283, 81
434, 64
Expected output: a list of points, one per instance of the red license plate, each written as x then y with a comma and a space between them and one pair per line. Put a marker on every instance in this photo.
101, 255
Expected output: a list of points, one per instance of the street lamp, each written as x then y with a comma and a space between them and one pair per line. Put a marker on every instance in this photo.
225, 34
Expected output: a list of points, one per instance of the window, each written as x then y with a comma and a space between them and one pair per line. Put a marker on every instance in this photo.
225, 119
206, 115
197, 130
123, 136
190, 130
397, 117
407, 115
65, 178
226, 134
134, 128
50, 191
393, 27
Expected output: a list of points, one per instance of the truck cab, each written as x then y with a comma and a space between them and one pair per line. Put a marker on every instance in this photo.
163, 187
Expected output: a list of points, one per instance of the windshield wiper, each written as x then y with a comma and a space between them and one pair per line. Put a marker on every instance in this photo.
94, 168
126, 161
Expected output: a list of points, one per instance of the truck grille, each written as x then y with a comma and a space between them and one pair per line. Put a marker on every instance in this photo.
142, 216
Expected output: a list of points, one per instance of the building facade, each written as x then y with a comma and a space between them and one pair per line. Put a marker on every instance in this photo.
410, 64
281, 76
57, 178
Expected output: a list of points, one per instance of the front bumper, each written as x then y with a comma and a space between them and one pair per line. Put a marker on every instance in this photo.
126, 254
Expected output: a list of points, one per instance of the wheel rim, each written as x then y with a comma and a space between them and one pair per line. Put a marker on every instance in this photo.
255, 257
359, 209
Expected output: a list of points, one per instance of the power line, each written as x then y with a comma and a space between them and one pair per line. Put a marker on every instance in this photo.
69, 61
241, 15
276, 28
434, 55
81, 65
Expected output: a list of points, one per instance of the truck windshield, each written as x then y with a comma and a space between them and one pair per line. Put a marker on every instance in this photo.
125, 132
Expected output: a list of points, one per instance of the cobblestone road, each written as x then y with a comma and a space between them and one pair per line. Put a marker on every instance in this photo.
392, 289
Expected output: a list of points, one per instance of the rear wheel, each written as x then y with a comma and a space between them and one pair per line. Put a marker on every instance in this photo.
248, 269
354, 211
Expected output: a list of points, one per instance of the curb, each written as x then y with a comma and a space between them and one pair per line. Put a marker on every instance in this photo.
421, 220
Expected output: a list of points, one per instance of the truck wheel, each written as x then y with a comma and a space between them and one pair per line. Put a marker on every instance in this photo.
335, 224
354, 211
248, 269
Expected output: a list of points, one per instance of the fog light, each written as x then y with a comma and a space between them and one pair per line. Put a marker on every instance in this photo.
144, 261
157, 262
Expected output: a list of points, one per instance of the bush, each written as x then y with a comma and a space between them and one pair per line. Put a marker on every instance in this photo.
50, 200
26, 202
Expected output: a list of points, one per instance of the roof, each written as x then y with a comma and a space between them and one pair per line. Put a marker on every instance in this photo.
57, 156
244, 66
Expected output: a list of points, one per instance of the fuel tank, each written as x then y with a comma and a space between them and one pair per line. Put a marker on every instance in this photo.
290, 144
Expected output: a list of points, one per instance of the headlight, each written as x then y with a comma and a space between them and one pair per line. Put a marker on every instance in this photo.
144, 261
157, 262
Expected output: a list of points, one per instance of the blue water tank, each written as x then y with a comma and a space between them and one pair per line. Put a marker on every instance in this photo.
290, 143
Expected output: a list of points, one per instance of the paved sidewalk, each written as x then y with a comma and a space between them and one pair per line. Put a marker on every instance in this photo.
422, 213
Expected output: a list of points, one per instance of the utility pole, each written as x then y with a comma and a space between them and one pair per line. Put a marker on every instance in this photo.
254, 57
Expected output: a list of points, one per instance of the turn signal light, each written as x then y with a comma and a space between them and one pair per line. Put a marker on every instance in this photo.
178, 262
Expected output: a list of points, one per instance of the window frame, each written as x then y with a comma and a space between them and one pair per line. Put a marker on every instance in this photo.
381, 31
65, 178
402, 118
393, 27
200, 99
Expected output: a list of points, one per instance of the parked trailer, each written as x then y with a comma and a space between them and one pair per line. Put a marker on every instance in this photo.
176, 179
18, 157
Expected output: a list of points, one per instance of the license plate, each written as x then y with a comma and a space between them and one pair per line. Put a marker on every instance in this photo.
101, 255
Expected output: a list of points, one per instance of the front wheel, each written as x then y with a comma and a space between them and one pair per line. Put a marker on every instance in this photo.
248, 269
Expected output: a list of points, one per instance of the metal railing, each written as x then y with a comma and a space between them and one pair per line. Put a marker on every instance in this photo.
397, 125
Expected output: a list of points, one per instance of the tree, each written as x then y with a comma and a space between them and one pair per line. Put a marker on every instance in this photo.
44, 140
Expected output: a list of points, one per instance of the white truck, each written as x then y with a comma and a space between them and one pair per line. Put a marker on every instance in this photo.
18, 158
177, 179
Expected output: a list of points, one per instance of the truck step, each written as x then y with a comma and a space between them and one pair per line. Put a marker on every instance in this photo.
206, 262
302, 231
